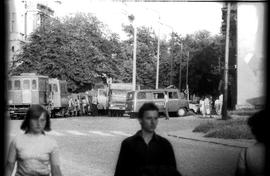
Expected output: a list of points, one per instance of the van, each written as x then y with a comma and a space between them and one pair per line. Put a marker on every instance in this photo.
177, 105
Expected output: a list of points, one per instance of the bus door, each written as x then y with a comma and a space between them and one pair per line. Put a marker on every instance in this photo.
26, 92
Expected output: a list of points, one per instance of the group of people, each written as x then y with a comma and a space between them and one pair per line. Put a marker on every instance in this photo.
144, 154
82, 106
207, 107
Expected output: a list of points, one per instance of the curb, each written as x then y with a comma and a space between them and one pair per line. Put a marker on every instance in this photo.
224, 142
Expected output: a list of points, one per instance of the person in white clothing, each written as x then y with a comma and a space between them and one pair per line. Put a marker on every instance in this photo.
35, 153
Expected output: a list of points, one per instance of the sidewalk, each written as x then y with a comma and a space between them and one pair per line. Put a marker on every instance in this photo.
189, 135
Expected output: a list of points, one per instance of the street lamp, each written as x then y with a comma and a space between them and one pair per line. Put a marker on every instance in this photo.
132, 18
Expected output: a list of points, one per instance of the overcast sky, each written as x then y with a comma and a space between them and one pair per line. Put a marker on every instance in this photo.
181, 17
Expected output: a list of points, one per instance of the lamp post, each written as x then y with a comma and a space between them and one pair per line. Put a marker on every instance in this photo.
132, 18
157, 76
187, 89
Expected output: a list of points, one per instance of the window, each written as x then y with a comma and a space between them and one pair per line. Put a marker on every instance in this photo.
173, 95
55, 88
141, 95
9, 85
34, 84
26, 84
158, 95
17, 85
13, 18
130, 96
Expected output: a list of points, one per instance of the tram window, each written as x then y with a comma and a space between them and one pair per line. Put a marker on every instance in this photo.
17, 85
9, 85
34, 84
55, 88
26, 84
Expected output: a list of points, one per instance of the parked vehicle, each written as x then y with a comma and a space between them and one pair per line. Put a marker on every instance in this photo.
25, 90
58, 96
29, 88
117, 98
176, 104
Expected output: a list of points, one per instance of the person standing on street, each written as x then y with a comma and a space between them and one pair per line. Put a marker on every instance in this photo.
35, 153
146, 153
166, 106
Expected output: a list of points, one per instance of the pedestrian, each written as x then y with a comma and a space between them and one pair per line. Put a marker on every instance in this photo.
207, 106
146, 153
35, 153
71, 106
252, 160
202, 106
166, 106
94, 105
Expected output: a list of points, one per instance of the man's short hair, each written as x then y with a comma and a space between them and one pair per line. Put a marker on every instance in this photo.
147, 107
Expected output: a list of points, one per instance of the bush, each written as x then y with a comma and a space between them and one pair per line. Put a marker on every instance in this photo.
231, 132
229, 129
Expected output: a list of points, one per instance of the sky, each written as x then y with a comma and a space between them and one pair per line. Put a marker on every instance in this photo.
164, 17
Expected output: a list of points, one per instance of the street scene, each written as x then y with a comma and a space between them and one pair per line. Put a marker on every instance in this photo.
90, 145
182, 84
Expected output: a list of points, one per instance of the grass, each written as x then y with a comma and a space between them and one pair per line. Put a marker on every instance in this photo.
229, 129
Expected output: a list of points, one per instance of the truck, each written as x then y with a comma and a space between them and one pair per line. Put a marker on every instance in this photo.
117, 94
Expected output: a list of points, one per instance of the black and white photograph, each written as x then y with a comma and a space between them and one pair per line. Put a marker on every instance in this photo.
135, 88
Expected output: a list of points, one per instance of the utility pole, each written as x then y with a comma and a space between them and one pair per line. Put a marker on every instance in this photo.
132, 18
171, 55
180, 70
225, 97
187, 89
157, 76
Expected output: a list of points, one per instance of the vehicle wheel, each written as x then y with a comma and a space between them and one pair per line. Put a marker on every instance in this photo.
181, 112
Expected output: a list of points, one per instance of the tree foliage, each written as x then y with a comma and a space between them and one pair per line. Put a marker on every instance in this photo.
78, 49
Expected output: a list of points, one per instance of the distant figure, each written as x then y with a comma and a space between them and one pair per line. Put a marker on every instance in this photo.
202, 107
77, 107
207, 106
35, 153
71, 106
166, 106
94, 106
146, 153
252, 160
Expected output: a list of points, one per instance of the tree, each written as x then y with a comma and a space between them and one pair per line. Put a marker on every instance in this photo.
74, 49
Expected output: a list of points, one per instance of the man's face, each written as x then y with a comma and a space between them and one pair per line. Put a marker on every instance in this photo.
149, 121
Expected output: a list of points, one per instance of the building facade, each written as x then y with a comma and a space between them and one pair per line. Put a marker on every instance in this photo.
24, 16
251, 55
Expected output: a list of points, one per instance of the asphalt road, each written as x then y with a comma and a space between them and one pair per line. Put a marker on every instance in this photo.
90, 146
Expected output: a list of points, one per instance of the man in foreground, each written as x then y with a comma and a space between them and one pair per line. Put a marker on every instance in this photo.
146, 153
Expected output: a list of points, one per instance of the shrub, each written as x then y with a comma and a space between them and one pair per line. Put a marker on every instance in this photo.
231, 132
229, 129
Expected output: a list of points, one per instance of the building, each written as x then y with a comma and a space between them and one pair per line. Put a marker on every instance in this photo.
24, 16
251, 50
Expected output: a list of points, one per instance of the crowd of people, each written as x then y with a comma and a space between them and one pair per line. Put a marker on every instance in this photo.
209, 107
82, 105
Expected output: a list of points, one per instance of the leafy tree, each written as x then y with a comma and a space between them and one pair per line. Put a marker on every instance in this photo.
74, 48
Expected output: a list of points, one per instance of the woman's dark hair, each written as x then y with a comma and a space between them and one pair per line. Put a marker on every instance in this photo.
147, 107
258, 125
34, 112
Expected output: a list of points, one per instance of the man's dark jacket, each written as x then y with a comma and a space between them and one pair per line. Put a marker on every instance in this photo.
136, 158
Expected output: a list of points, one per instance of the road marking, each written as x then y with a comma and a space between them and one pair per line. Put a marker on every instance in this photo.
121, 133
76, 133
101, 133
55, 133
